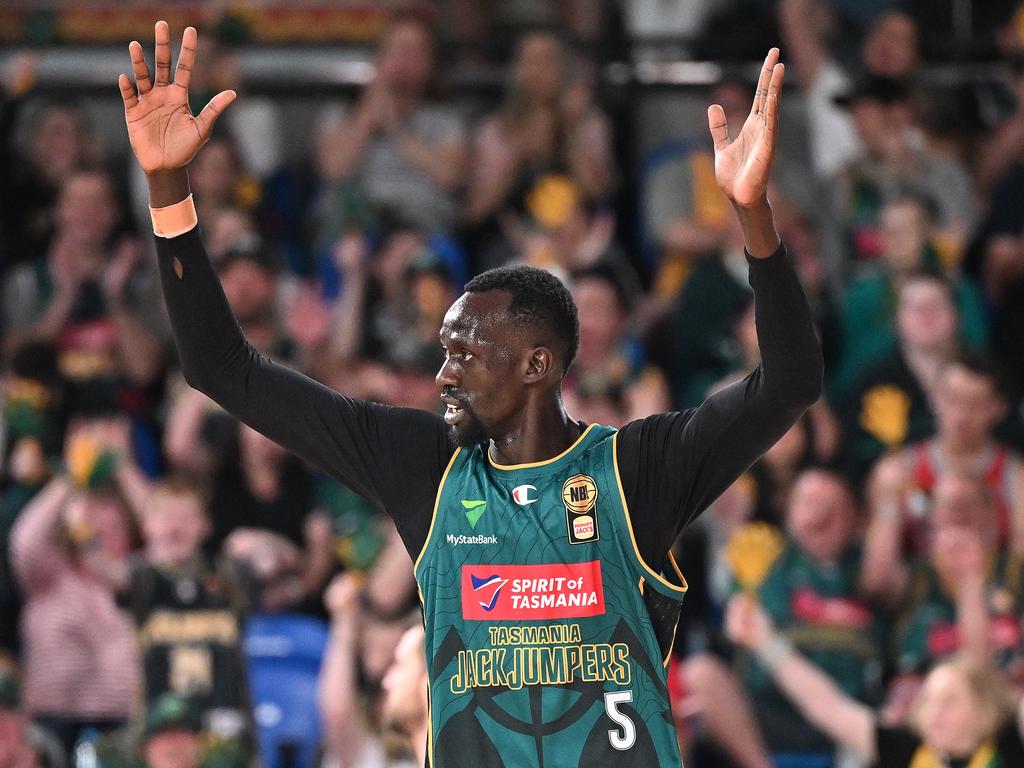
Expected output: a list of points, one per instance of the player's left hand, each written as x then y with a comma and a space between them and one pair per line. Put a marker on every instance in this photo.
743, 164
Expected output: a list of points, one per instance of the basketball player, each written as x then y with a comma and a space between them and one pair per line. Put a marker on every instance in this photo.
540, 542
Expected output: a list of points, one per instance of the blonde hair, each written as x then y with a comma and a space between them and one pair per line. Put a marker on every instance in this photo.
987, 687
181, 485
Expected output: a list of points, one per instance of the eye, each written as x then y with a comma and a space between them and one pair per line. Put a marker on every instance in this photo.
466, 354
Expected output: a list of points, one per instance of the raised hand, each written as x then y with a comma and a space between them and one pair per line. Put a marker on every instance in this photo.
163, 132
743, 164
747, 624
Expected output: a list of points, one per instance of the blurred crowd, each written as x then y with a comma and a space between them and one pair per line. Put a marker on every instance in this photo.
142, 528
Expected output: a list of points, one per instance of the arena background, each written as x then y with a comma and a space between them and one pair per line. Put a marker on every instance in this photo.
574, 137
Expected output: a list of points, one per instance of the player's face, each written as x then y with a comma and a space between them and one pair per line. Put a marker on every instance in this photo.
479, 380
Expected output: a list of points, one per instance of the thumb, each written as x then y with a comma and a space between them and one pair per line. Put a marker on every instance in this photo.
212, 111
718, 126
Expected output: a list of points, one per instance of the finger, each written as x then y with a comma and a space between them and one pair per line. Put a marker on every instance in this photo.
763, 80
186, 58
139, 67
771, 109
127, 92
212, 111
719, 126
163, 53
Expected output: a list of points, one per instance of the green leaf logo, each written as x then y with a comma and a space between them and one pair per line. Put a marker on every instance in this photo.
474, 510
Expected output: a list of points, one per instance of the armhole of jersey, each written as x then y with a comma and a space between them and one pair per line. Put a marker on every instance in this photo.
433, 516
652, 575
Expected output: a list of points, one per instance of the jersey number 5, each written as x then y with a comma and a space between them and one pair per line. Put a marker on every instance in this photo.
625, 738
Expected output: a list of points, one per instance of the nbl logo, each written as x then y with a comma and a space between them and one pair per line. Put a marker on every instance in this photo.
579, 495
489, 588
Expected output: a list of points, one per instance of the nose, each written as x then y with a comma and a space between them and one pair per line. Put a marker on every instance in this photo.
445, 376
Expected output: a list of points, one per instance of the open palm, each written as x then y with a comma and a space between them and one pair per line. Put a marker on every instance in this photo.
163, 132
743, 164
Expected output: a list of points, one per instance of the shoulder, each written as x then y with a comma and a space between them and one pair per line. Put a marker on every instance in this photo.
654, 432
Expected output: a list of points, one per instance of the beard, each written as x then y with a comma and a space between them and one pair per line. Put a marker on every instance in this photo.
469, 431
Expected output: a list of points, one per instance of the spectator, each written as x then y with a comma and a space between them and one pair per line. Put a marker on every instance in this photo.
286, 541
685, 216
171, 738
404, 155
894, 160
68, 550
220, 180
90, 297
57, 143
23, 744
359, 653
285, 538
812, 595
890, 49
188, 612
869, 301
890, 405
32, 425
406, 705
547, 140
962, 713
968, 404
962, 594
610, 381
392, 302
249, 272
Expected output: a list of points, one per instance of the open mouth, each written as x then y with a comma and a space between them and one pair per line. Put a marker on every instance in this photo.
453, 413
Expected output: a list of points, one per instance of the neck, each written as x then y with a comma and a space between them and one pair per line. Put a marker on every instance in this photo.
925, 364
541, 433
954, 447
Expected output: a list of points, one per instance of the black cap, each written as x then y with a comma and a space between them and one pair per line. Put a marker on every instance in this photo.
885, 90
250, 248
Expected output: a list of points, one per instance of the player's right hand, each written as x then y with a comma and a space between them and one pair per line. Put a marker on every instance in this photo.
163, 132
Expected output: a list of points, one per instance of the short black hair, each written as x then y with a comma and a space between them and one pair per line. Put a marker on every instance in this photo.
539, 299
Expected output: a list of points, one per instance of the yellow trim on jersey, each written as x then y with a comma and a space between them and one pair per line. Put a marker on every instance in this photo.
430, 726
433, 517
675, 627
540, 463
629, 525
679, 573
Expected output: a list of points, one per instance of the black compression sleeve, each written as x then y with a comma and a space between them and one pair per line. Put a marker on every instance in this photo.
674, 465
392, 456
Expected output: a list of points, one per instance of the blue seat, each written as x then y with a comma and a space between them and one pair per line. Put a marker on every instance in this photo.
283, 653
804, 759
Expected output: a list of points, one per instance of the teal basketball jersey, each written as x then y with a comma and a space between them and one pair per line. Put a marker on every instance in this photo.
547, 636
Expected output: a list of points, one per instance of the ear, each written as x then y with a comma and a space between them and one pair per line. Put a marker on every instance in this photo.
540, 363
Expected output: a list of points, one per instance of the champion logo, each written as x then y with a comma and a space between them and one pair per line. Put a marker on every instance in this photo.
482, 587
521, 494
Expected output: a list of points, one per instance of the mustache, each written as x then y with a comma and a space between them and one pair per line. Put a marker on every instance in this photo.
448, 391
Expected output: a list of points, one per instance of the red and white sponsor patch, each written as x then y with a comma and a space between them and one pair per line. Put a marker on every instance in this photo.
524, 592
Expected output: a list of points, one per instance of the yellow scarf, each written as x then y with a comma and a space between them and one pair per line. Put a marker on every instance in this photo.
984, 757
